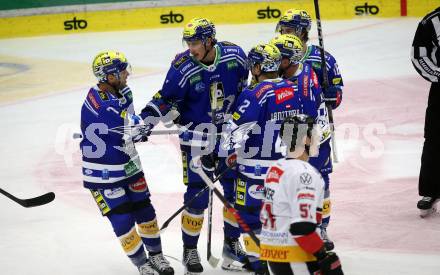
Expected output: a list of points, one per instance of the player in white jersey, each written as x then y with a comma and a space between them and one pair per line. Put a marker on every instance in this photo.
292, 209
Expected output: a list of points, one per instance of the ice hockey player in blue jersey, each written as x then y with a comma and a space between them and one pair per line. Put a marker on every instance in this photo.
299, 23
202, 84
111, 166
253, 132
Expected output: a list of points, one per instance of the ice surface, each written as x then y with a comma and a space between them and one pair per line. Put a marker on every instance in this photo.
375, 223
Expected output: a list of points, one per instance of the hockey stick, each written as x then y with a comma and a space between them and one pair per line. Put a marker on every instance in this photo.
153, 133
167, 222
213, 261
32, 202
325, 83
198, 169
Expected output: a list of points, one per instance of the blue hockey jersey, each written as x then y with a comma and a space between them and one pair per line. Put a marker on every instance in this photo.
313, 57
260, 109
109, 158
195, 89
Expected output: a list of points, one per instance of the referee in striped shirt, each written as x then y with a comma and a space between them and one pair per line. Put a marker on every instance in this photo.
425, 56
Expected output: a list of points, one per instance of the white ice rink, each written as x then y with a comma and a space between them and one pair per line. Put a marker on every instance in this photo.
44, 80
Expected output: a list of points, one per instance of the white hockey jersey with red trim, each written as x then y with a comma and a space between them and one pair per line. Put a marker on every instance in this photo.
294, 192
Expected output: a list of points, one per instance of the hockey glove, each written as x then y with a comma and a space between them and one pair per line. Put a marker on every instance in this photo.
333, 96
141, 133
208, 162
328, 262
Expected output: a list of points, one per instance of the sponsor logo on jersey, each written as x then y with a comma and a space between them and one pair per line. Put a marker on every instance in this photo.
171, 18
114, 193
336, 80
263, 89
103, 95
75, 24
157, 95
139, 186
231, 159
88, 172
283, 94
256, 192
93, 100
124, 114
315, 79
240, 195
130, 168
306, 196
231, 50
180, 61
194, 79
305, 178
187, 66
200, 87
268, 13
306, 85
274, 175
236, 116
232, 64
366, 9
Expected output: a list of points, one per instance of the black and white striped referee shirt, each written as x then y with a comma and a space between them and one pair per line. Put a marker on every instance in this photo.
425, 52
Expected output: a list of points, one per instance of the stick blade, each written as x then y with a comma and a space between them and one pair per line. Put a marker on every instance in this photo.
40, 200
213, 261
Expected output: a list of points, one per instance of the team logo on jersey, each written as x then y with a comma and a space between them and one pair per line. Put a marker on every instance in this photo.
139, 186
274, 175
305, 178
256, 192
283, 94
114, 193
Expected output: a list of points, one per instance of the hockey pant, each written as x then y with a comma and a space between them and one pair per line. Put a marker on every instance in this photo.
126, 207
307, 268
249, 195
429, 184
192, 216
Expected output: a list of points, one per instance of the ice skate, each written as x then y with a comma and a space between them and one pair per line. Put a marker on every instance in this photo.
147, 269
161, 265
191, 261
427, 206
329, 244
234, 257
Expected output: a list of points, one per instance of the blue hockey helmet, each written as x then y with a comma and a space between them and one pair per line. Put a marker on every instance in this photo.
267, 55
299, 20
109, 62
290, 46
199, 29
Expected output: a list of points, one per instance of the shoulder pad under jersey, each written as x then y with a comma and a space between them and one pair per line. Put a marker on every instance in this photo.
226, 43
180, 59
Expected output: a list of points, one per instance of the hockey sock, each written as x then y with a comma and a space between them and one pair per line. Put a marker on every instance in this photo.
192, 222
